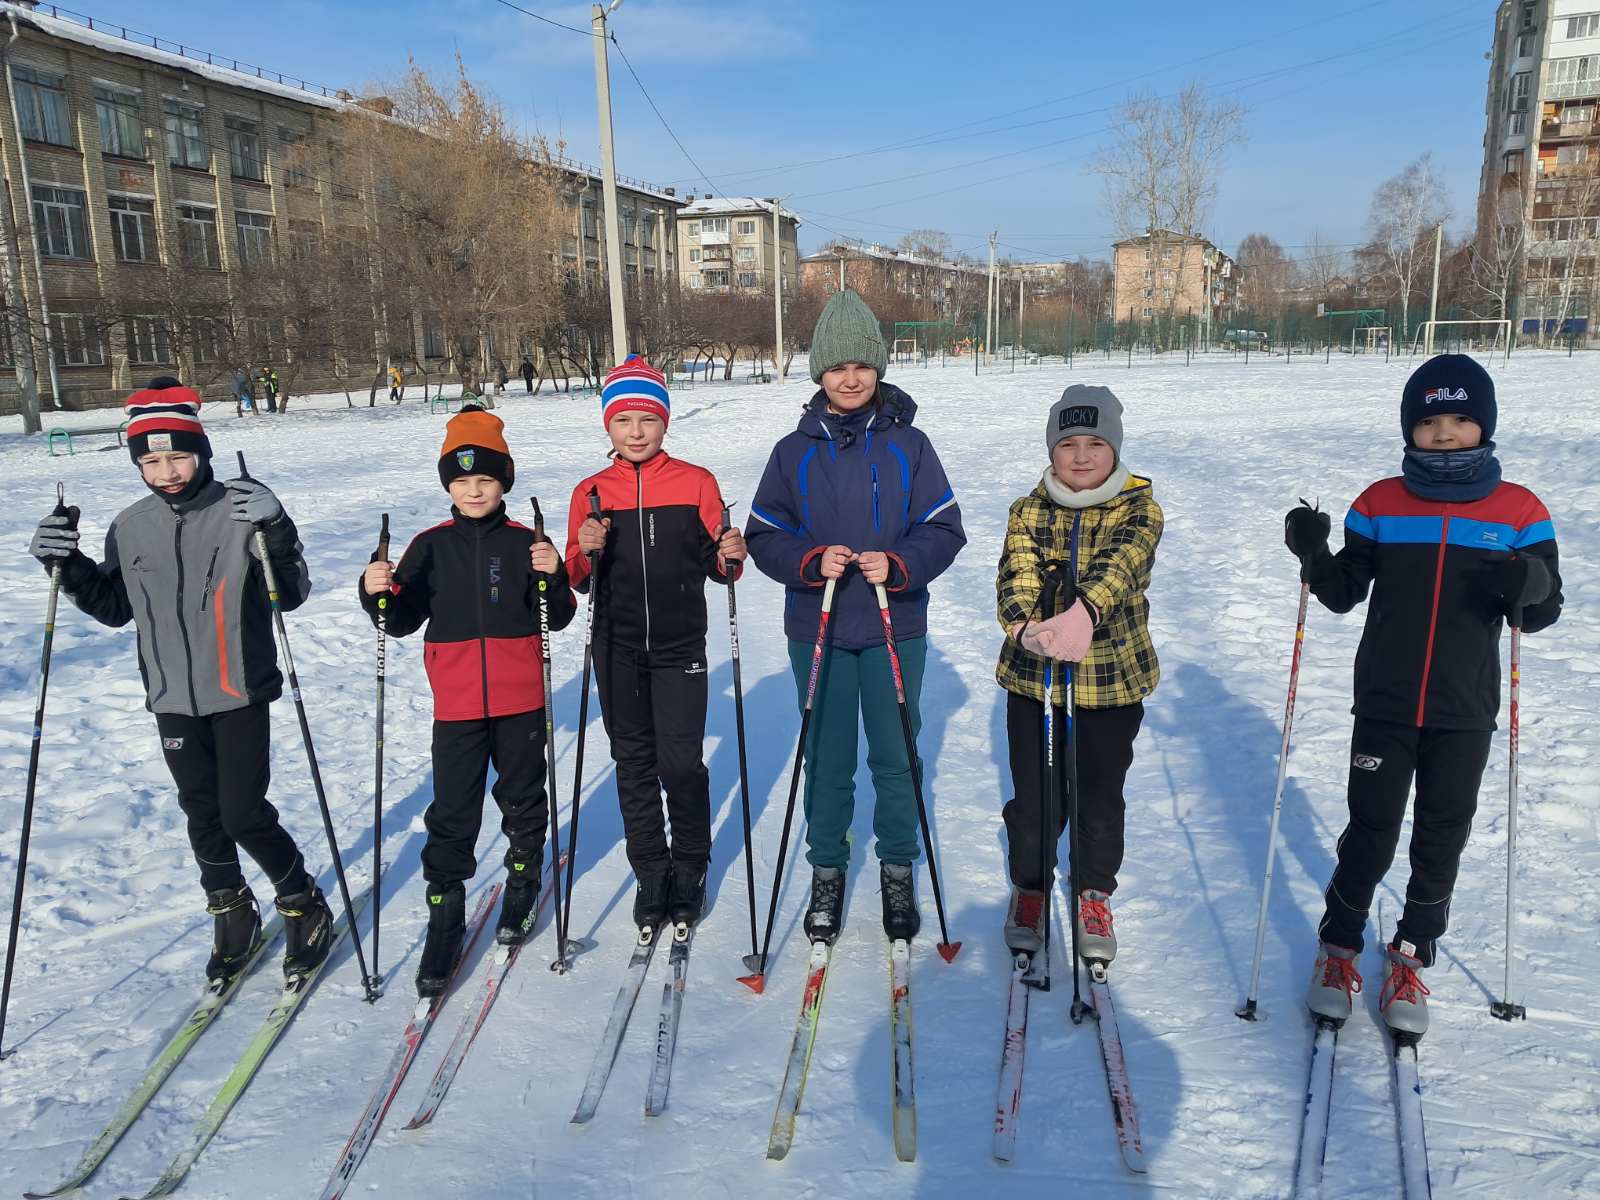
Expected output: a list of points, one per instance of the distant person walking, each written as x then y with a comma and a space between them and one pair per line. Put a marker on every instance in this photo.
527, 375
397, 383
269, 388
243, 398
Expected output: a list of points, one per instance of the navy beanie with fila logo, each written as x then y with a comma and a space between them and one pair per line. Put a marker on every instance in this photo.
1453, 384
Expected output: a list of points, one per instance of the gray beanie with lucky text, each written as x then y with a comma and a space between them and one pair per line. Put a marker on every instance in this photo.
1085, 408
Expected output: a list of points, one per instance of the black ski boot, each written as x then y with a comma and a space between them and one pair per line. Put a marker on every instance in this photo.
447, 929
688, 892
901, 918
825, 916
521, 895
236, 932
651, 901
307, 930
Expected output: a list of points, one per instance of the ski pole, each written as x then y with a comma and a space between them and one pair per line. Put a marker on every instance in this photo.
752, 961
560, 964
947, 949
382, 555
756, 981
271, 578
1070, 712
60, 510
1247, 1011
1049, 833
1505, 1009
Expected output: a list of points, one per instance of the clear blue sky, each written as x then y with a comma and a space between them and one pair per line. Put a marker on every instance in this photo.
1341, 95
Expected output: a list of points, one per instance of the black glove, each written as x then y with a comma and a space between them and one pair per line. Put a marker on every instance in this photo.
1305, 532
56, 538
1514, 582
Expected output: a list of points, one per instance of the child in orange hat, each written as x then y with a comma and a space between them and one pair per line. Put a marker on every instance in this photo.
474, 581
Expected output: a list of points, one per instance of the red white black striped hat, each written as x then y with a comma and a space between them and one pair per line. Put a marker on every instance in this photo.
163, 416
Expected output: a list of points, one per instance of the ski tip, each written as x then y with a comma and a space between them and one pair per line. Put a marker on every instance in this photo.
418, 1122
949, 950
757, 982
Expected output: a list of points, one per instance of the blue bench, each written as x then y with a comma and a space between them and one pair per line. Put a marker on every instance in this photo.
64, 435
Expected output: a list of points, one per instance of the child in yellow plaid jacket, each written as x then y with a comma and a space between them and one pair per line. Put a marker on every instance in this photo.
1071, 589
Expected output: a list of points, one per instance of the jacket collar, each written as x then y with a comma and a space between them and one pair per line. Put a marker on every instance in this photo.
1125, 481
891, 407
653, 465
482, 524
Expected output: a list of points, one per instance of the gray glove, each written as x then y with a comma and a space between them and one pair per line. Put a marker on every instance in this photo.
56, 539
253, 502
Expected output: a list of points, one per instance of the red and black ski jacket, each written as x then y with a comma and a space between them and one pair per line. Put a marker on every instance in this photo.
665, 517
471, 581
1430, 653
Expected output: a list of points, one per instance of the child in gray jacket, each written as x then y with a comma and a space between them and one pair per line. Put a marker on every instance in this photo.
181, 564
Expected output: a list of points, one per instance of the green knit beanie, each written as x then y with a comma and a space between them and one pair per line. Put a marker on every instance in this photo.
847, 332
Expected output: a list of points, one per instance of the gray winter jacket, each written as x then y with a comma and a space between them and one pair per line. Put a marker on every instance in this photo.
190, 579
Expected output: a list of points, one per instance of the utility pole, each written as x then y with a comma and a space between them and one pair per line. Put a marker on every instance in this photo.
608, 175
1433, 304
841, 272
988, 332
777, 288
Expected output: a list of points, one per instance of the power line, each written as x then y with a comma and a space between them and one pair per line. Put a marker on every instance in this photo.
653, 108
546, 20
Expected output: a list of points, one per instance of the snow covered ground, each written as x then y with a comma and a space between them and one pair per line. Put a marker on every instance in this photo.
114, 936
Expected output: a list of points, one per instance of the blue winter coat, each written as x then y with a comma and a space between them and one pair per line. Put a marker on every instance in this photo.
870, 481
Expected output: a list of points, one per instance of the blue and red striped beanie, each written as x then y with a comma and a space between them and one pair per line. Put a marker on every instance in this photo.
635, 386
164, 416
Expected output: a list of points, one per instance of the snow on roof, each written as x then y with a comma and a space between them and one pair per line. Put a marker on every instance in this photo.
887, 254
117, 39
728, 205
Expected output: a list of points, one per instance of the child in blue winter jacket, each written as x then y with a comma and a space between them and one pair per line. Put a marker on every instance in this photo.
857, 495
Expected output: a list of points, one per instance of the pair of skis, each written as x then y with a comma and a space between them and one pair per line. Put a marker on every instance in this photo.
497, 967
666, 1042
216, 996
902, 1064
1409, 1129
1025, 978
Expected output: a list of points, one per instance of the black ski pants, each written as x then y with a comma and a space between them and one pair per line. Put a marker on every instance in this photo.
221, 765
1448, 765
1104, 749
654, 707
462, 752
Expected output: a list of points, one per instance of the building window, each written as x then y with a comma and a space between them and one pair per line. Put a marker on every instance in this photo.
1513, 162
716, 278
1528, 13
627, 225
1572, 155
197, 236
1584, 25
1517, 125
432, 340
786, 259
1147, 312
305, 240
116, 109
295, 173
42, 105
244, 148
590, 225
569, 246
647, 229
747, 227
744, 254
184, 126
1521, 84
255, 238
1149, 275
78, 340
148, 341
1572, 78
1525, 45
714, 225
694, 282
133, 228
694, 255
747, 279
59, 223
208, 340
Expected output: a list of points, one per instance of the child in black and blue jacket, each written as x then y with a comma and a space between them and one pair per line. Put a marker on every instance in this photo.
856, 494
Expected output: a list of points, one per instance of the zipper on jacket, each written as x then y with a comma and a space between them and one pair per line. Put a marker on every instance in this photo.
644, 564
183, 626
1433, 619
877, 525
211, 569
483, 631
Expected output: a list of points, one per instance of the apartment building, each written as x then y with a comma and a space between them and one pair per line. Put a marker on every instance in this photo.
728, 244
1542, 158
648, 223
872, 266
1164, 274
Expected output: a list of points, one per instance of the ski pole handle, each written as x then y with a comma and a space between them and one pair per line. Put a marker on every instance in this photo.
538, 519
243, 472
383, 540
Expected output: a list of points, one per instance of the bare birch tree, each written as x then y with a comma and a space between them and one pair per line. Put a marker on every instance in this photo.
1497, 255
1406, 210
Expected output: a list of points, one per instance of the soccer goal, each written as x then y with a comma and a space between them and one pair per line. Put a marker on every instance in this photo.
1432, 334
905, 350
1369, 339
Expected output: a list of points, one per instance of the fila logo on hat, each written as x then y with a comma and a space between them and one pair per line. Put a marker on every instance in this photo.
1459, 396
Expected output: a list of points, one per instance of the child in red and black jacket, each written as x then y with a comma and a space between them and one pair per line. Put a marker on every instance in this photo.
1450, 552
660, 539
474, 580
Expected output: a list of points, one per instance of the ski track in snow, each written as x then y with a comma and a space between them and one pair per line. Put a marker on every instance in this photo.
115, 937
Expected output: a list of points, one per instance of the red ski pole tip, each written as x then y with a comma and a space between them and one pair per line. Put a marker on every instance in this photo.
948, 950
756, 983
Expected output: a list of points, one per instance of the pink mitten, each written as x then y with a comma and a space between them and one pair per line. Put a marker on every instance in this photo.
1068, 633
1034, 639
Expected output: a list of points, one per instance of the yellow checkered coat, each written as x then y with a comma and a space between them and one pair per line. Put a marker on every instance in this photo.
1116, 549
